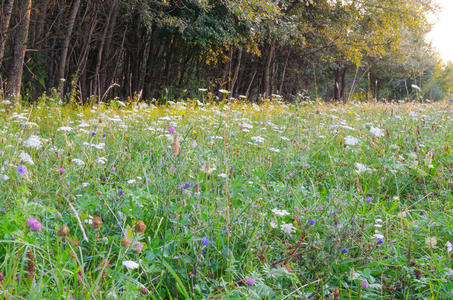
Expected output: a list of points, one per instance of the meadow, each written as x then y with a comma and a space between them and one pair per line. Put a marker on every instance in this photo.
226, 201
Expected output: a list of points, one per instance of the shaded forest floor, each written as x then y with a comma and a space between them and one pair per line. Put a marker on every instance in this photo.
227, 201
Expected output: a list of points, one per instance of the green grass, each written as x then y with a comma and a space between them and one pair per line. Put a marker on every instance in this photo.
217, 237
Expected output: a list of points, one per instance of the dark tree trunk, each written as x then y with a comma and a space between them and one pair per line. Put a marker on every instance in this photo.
67, 40
267, 70
7, 11
19, 48
236, 71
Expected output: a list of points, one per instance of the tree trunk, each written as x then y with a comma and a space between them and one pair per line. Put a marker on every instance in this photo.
336, 88
343, 83
7, 11
280, 90
267, 70
98, 88
19, 48
67, 40
236, 71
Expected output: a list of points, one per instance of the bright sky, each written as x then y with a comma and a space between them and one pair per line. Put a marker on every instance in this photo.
442, 34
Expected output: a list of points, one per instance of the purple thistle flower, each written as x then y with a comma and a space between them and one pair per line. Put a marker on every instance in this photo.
250, 281
34, 224
171, 129
22, 170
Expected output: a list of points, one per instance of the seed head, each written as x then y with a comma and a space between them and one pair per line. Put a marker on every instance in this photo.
64, 230
140, 227
97, 222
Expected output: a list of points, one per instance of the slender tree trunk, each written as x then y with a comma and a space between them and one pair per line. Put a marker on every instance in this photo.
7, 11
19, 48
336, 88
236, 71
67, 40
343, 83
280, 90
97, 76
267, 70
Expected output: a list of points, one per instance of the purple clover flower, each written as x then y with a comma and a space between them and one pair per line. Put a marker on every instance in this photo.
137, 247
250, 281
364, 284
34, 224
171, 129
62, 171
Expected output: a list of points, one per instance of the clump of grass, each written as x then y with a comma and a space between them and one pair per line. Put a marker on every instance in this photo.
229, 200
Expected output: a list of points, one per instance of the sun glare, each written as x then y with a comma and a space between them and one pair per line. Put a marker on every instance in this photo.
441, 35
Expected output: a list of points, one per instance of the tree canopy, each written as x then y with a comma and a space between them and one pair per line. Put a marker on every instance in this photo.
334, 49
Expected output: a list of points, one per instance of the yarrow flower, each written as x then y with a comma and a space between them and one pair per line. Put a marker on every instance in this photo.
130, 264
34, 224
280, 212
288, 228
376, 131
351, 141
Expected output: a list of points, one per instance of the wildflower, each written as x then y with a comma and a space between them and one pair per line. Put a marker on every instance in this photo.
345, 250
449, 246
205, 241
288, 228
62, 171
223, 91
194, 144
26, 158
33, 142
280, 213
104, 135
361, 168
93, 133
5, 177
171, 129
34, 224
312, 222
97, 222
140, 227
137, 247
175, 147
380, 241
202, 90
121, 192
64, 230
376, 131
364, 284
222, 175
65, 129
125, 242
78, 162
351, 141
250, 281
369, 199
131, 265
257, 139
22, 170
